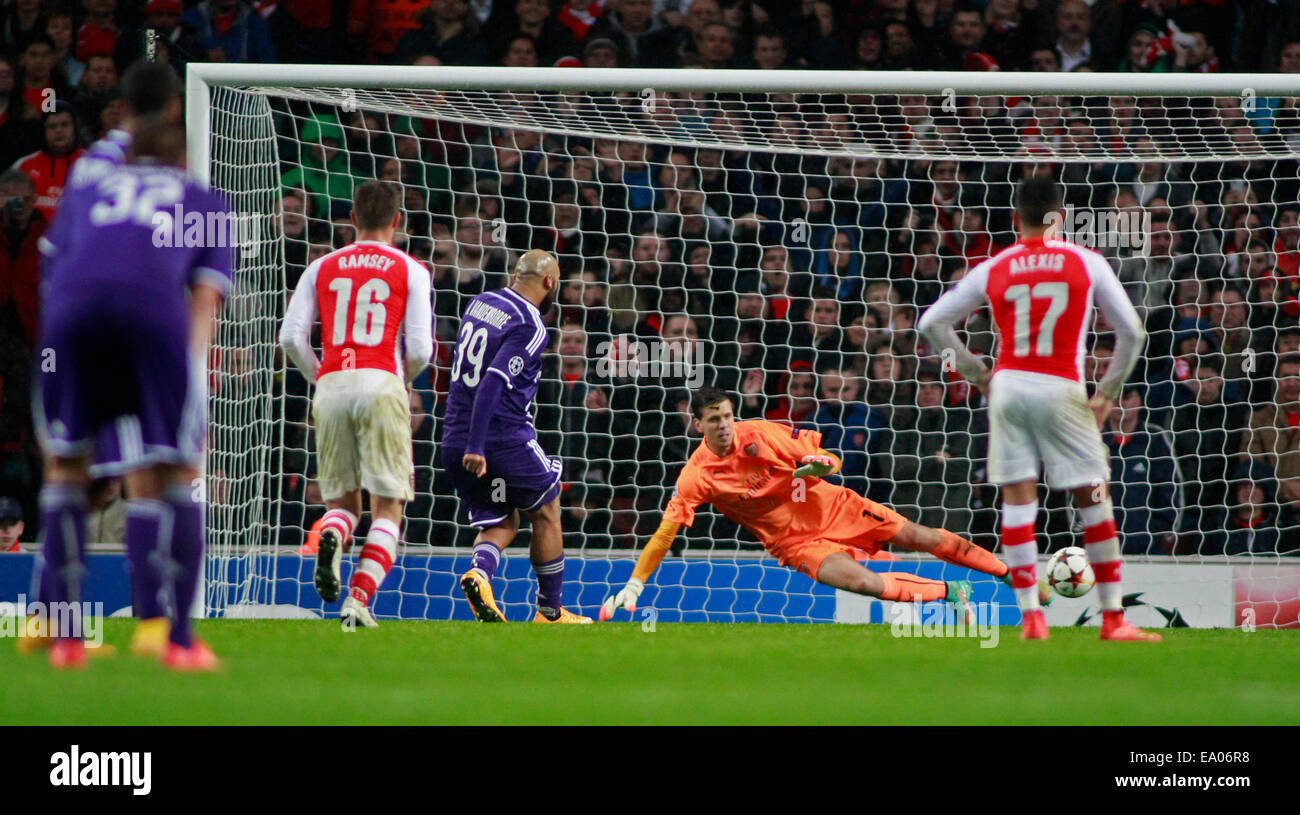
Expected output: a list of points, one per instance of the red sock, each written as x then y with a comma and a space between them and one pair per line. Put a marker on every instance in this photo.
1101, 540
1020, 549
376, 559
342, 522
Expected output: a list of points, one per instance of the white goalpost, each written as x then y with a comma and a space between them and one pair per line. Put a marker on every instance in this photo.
780, 231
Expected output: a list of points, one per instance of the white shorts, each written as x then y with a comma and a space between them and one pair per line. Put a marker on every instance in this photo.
363, 434
1037, 418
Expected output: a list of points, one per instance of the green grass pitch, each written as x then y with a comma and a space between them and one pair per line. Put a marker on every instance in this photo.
305, 672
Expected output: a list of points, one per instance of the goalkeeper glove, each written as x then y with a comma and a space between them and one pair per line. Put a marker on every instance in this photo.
816, 466
626, 598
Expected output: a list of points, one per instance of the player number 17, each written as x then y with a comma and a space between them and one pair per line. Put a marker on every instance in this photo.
1020, 296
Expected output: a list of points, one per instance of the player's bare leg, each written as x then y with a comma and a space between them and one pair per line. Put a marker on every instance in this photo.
477, 582
547, 555
377, 557
841, 571
341, 517
1020, 549
1101, 540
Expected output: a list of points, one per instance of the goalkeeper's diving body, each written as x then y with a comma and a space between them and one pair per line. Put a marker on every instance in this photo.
767, 477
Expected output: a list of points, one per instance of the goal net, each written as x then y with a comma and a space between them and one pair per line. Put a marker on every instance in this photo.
775, 234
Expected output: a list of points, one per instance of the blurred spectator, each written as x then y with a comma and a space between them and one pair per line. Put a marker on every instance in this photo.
11, 524
324, 170
839, 266
20, 130
964, 48
1145, 485
1073, 30
1148, 279
173, 41
419, 512
21, 20
1208, 433
870, 52
20, 261
1010, 29
381, 26
628, 27
230, 31
553, 40
59, 28
924, 454
1232, 335
98, 32
797, 401
1274, 435
106, 522
579, 15
1252, 523
40, 86
770, 51
600, 52
713, 46
98, 82
848, 426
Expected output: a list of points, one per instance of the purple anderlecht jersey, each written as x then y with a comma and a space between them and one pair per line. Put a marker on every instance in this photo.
144, 233
501, 334
100, 159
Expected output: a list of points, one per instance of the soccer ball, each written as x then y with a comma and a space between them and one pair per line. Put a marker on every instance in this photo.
1070, 573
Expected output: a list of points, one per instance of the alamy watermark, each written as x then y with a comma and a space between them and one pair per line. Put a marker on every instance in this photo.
90, 768
656, 359
917, 619
1103, 229
179, 227
79, 620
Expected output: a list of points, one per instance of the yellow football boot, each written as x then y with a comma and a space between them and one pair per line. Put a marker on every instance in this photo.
566, 616
150, 637
478, 591
34, 636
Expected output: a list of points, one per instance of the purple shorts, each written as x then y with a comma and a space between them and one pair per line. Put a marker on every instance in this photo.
120, 383
522, 478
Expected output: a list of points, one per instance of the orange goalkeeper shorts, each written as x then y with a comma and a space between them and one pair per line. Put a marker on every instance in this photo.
860, 524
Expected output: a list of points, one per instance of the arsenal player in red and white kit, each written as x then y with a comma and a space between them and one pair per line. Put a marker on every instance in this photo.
1042, 292
376, 335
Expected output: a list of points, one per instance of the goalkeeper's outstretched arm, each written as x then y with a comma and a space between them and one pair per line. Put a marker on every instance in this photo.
651, 556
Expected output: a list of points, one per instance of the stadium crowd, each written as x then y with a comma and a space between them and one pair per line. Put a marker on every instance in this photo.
794, 280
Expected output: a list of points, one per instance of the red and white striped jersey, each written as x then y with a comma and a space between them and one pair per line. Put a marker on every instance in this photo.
371, 297
1041, 293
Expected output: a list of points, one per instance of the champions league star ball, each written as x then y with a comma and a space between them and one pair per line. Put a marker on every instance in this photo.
1070, 573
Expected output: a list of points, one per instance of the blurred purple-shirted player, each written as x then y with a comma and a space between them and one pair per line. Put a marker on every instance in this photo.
124, 334
151, 91
489, 445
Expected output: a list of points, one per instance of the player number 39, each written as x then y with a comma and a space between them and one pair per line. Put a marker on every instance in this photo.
470, 345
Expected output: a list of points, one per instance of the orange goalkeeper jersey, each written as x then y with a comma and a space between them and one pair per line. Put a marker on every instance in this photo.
753, 485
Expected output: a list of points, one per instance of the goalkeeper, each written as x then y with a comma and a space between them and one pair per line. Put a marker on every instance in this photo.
767, 478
